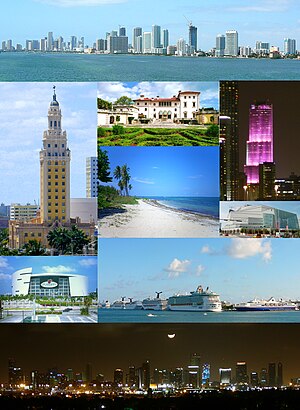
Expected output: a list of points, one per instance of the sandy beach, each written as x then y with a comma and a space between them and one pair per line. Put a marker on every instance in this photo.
149, 219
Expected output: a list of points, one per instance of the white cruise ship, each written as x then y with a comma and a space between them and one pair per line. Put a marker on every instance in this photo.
155, 303
196, 301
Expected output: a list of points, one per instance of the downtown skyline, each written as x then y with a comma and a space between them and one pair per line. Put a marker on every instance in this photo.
57, 16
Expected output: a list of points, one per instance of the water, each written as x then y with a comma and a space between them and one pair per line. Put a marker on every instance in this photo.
142, 316
92, 67
202, 205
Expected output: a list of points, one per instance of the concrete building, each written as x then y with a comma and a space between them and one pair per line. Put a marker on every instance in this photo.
117, 44
23, 212
119, 114
137, 32
232, 45
220, 45
25, 282
147, 41
193, 40
289, 46
91, 177
156, 37
262, 48
85, 209
253, 217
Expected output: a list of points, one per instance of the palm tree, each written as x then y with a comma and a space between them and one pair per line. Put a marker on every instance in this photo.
121, 186
59, 239
125, 175
34, 248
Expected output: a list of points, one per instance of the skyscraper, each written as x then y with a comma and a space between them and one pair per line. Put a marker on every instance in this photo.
165, 38
220, 45
289, 46
55, 169
193, 37
241, 372
225, 376
232, 46
137, 32
272, 375
259, 147
156, 37
91, 177
122, 31
229, 154
147, 41
279, 375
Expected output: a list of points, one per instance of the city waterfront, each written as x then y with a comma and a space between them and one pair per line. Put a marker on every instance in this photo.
165, 316
101, 67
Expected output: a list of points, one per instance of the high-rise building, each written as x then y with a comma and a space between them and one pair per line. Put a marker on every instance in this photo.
267, 172
55, 169
137, 32
50, 41
289, 46
91, 177
254, 382
117, 44
232, 44
241, 372
181, 47
73, 43
272, 375
205, 374
262, 47
118, 377
156, 37
229, 153
132, 376
279, 375
23, 212
122, 31
263, 377
15, 373
147, 41
220, 45
225, 376
145, 373
194, 369
259, 147
165, 38
193, 43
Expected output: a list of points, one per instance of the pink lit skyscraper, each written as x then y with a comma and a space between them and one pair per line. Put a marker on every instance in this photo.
260, 143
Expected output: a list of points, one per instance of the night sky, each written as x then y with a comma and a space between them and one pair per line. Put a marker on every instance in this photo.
108, 346
284, 95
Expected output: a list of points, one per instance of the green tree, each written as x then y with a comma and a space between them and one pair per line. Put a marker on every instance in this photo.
59, 239
103, 166
103, 105
34, 248
213, 131
78, 239
125, 178
124, 100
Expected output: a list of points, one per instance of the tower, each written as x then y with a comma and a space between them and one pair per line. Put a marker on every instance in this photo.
55, 169
260, 142
193, 37
232, 45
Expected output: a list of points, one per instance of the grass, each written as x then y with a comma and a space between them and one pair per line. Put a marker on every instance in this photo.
132, 136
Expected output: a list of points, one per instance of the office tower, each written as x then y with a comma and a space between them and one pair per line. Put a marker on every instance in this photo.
73, 43
147, 41
181, 47
43, 44
225, 375
139, 44
279, 375
118, 377
70, 374
15, 374
232, 46
23, 212
254, 379
122, 31
178, 377
137, 32
193, 37
60, 41
91, 177
156, 37
194, 369
263, 377
267, 181
88, 373
272, 375
55, 169
9, 45
131, 376
165, 38
289, 46
220, 45
145, 375
259, 147
241, 372
229, 153
3, 48
205, 374
117, 44
101, 44
50, 41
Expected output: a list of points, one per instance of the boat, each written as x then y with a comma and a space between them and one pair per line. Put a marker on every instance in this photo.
196, 301
127, 304
266, 305
155, 303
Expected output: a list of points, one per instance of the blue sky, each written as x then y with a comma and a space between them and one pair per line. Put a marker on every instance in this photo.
168, 171
76, 265
265, 20
237, 269
290, 206
209, 96
23, 118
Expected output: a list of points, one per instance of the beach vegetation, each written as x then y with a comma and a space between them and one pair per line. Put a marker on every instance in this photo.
103, 166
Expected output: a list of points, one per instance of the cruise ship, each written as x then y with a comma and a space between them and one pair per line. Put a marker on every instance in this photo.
155, 303
197, 301
266, 305
127, 304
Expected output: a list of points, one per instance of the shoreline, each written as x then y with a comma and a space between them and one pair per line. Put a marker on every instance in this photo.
150, 219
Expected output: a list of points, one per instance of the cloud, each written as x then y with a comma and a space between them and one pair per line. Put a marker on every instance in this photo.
86, 262
177, 267
79, 3
4, 276
3, 262
199, 270
207, 249
58, 269
143, 181
246, 248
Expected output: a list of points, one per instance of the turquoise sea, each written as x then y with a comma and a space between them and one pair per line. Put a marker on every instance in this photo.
151, 316
92, 67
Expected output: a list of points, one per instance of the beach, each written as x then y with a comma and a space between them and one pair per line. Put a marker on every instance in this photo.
150, 219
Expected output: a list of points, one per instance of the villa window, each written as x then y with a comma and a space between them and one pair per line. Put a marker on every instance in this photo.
184, 104
194, 104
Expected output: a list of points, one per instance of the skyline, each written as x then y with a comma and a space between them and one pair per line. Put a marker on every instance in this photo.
209, 96
57, 16
106, 346
168, 171
237, 269
23, 116
86, 266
